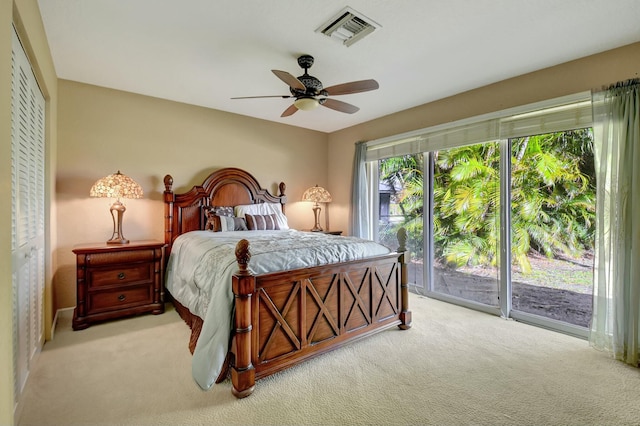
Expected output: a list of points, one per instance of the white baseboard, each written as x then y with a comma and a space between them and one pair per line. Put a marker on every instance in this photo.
55, 320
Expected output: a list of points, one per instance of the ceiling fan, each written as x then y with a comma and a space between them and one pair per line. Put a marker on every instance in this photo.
309, 93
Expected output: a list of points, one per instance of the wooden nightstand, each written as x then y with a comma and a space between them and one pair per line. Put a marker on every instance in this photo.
114, 281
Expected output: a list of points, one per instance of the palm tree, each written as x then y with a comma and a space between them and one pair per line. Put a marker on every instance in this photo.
466, 199
403, 178
552, 198
553, 195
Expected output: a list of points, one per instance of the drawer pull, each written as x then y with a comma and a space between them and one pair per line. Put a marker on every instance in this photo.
121, 276
122, 297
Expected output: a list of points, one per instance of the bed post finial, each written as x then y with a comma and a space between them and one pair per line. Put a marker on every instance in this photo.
402, 239
243, 256
168, 183
283, 198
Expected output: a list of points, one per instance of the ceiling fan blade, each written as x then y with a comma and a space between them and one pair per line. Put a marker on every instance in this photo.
340, 106
256, 97
289, 111
289, 79
352, 87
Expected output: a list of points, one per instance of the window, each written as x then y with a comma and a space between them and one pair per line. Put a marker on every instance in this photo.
498, 209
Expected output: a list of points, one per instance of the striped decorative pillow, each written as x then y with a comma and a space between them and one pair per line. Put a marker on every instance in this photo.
258, 222
232, 224
217, 223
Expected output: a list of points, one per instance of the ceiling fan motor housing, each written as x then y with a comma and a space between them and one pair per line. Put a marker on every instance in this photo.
312, 84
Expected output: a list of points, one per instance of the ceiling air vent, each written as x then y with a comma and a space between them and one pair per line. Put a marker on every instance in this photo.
348, 26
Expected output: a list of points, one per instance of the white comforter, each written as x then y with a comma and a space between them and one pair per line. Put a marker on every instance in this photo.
201, 265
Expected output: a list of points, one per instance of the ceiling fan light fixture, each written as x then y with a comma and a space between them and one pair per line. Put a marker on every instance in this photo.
306, 104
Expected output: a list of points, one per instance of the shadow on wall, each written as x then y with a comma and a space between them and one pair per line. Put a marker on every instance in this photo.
64, 284
74, 186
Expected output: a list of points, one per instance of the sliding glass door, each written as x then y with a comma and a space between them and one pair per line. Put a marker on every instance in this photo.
465, 212
502, 226
400, 204
552, 226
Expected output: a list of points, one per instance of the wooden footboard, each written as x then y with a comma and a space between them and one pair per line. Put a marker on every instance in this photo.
284, 318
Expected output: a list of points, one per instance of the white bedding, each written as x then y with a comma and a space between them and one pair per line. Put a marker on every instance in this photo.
202, 263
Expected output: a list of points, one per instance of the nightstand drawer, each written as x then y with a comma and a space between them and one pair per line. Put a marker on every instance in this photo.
119, 299
112, 258
133, 273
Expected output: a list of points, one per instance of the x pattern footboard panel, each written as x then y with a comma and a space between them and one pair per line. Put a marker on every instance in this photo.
311, 310
324, 323
280, 324
388, 302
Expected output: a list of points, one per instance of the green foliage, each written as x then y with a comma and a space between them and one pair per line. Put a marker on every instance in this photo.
466, 198
403, 177
552, 198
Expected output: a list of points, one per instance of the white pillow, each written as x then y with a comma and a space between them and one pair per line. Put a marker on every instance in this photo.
264, 208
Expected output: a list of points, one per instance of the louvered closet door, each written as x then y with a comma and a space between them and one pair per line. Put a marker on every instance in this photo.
27, 190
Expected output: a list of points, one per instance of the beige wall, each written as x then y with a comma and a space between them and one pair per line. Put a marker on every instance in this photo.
24, 14
102, 131
573, 77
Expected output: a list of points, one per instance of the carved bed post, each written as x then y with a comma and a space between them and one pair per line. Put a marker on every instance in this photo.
405, 313
283, 198
169, 198
242, 371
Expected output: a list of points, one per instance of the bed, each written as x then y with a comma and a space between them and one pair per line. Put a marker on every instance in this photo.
271, 312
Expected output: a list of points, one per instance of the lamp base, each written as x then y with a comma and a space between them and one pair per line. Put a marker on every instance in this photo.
316, 212
118, 240
117, 211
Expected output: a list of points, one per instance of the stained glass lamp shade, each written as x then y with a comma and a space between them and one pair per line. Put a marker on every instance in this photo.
116, 186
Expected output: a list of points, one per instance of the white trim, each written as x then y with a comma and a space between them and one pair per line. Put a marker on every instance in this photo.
55, 320
502, 114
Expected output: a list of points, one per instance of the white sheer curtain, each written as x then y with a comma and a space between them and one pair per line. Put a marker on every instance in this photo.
359, 194
615, 325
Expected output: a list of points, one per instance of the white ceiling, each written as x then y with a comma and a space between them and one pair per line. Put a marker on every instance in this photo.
204, 52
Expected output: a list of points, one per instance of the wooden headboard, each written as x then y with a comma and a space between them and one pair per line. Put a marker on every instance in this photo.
225, 187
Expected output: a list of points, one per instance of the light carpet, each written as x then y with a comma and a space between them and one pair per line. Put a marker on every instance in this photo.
455, 366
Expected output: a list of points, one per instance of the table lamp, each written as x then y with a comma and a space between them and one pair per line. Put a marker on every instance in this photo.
116, 186
316, 194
